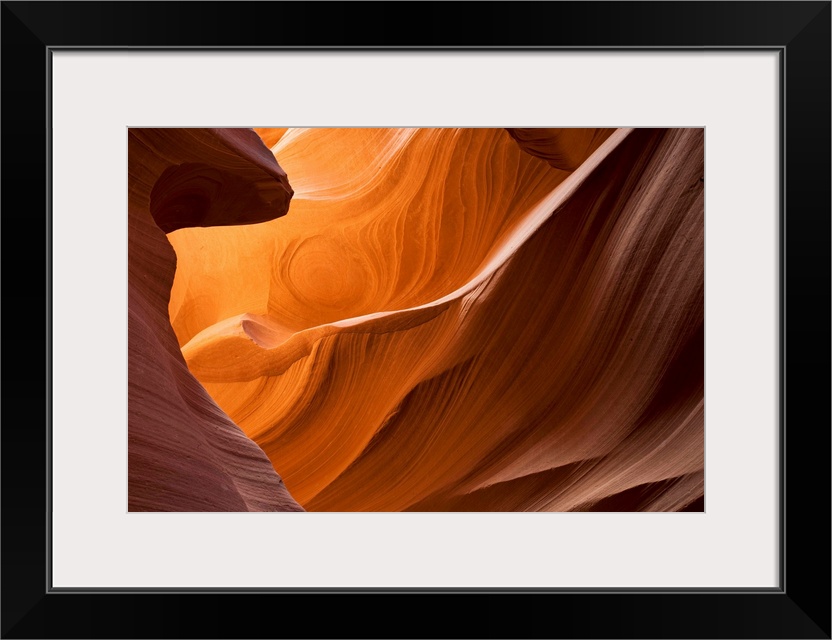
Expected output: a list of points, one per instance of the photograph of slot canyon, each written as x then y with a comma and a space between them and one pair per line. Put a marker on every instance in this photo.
422, 319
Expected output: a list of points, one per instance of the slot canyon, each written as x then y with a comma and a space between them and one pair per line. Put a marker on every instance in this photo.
422, 320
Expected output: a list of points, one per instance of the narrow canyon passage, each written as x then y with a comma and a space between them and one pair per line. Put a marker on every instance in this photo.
419, 319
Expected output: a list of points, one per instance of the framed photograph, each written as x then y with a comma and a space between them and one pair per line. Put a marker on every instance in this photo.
515, 305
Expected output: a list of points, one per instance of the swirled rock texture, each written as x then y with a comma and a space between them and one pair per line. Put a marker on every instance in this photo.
464, 319
562, 148
184, 453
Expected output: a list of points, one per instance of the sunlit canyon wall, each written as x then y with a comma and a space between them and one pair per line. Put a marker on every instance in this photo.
416, 319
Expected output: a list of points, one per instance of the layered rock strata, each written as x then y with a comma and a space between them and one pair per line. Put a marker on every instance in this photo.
446, 319
184, 452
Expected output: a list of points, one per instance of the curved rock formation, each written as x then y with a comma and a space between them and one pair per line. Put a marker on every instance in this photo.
562, 148
184, 453
463, 319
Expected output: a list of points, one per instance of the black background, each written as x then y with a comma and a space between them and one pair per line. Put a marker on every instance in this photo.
800, 610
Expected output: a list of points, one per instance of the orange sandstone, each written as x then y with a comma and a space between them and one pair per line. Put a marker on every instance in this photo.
463, 319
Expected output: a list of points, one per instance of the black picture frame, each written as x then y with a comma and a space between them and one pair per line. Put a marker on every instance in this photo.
799, 608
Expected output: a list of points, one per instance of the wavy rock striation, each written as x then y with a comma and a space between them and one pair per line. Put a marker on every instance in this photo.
464, 319
562, 148
184, 453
